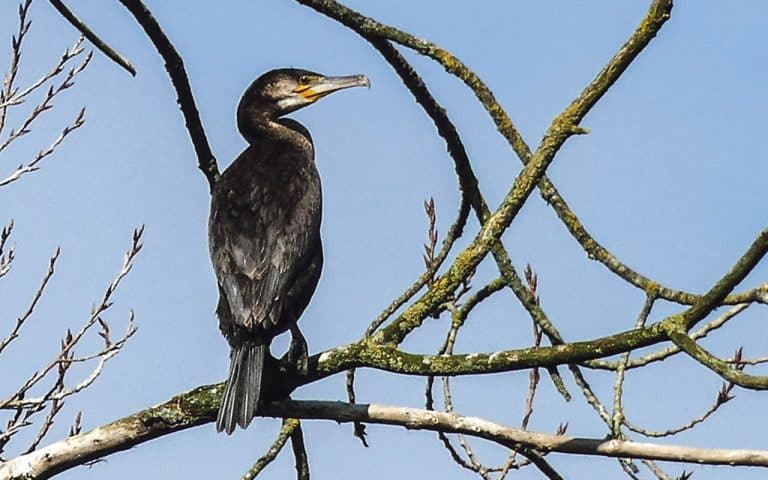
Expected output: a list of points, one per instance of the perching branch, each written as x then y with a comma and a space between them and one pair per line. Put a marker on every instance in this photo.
199, 406
379, 347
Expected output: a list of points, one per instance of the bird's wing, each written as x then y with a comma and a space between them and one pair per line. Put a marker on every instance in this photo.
256, 253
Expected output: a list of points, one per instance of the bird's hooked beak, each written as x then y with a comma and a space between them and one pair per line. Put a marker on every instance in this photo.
318, 87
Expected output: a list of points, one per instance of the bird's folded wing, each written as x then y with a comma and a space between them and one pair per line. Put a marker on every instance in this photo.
256, 262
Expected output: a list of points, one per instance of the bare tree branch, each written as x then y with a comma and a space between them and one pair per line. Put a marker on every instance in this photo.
678, 335
286, 432
14, 333
11, 96
32, 166
46, 103
18, 399
199, 407
18, 97
723, 397
6, 257
13, 68
92, 37
174, 65
300, 453
24, 407
563, 127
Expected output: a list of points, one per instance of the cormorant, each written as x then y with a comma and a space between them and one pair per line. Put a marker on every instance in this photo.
264, 233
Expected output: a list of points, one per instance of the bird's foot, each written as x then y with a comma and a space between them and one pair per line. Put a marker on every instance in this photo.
302, 365
297, 357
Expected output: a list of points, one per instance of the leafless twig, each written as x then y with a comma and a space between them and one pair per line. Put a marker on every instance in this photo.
13, 69
286, 432
18, 97
6, 257
12, 96
723, 397
25, 407
14, 333
92, 37
32, 166
46, 103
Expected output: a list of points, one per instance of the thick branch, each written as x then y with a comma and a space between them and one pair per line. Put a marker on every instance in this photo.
199, 407
179, 413
415, 419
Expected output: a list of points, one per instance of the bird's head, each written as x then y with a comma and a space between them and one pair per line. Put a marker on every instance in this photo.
282, 91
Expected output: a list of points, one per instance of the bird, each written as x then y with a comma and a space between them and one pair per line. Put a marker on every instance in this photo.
264, 233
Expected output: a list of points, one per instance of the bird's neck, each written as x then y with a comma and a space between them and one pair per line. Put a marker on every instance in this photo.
264, 128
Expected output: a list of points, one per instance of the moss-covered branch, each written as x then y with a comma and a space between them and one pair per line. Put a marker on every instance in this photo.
289, 427
677, 333
200, 406
378, 33
667, 352
564, 126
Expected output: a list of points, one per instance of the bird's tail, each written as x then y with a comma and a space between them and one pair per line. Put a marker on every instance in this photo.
241, 396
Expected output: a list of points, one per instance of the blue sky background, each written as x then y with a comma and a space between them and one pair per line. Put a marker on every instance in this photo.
671, 179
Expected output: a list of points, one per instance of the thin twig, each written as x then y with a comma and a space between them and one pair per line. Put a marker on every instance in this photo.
617, 419
723, 397
32, 166
45, 104
21, 320
19, 97
286, 431
300, 453
13, 68
92, 37
6, 258
358, 429
19, 399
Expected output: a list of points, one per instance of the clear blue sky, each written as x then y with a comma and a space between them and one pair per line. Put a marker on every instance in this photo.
671, 179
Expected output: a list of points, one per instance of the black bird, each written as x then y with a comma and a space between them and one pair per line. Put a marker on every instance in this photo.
264, 233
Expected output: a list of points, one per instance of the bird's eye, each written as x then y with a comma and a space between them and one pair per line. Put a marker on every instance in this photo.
304, 79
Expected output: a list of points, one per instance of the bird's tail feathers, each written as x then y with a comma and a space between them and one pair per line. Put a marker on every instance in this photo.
241, 396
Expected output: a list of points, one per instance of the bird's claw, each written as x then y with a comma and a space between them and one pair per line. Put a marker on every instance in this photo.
297, 358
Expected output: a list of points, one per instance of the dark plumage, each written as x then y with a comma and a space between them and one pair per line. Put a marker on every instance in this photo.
264, 233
